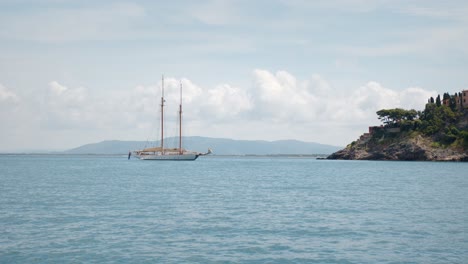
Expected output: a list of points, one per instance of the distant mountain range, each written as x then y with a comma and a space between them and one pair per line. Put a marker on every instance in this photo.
220, 146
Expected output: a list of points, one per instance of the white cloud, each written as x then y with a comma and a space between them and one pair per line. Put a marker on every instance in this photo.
9, 106
219, 103
373, 96
276, 106
410, 97
279, 96
15, 120
76, 108
67, 97
364, 102
277, 102
225, 101
7, 96
65, 107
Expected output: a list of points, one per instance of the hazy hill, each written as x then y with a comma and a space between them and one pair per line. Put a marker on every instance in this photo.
220, 146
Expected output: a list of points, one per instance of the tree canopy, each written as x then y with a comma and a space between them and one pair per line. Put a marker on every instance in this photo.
441, 122
394, 116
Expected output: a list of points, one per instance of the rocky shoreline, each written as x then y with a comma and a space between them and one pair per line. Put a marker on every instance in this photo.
404, 147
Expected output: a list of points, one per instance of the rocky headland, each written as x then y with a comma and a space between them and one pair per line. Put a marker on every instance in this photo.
439, 133
402, 147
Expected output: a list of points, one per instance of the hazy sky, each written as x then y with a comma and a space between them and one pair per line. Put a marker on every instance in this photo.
76, 72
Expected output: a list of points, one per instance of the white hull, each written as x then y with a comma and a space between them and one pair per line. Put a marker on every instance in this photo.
189, 156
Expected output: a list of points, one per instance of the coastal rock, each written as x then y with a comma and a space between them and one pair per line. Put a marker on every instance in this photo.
401, 147
438, 133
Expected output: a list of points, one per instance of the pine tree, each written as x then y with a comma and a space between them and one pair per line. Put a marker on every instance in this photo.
452, 103
446, 96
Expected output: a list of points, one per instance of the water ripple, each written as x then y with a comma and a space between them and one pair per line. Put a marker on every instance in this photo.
56, 209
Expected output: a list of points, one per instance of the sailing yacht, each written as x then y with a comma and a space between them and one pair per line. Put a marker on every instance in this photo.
162, 153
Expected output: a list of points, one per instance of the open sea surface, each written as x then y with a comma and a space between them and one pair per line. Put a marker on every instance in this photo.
101, 209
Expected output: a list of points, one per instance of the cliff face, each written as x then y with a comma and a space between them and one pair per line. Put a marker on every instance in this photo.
404, 146
401, 146
439, 133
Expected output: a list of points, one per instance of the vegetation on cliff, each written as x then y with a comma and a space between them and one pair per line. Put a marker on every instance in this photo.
444, 125
439, 132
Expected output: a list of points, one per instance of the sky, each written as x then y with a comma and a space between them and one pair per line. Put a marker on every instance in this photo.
78, 72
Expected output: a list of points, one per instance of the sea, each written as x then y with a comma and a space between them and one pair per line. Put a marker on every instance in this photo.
219, 209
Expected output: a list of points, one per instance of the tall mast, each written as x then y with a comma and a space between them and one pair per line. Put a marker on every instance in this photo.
180, 120
162, 116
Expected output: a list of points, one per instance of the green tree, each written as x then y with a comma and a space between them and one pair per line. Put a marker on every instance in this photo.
393, 117
435, 119
460, 100
452, 103
446, 96
438, 100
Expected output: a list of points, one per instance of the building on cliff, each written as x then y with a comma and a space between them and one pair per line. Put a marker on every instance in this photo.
460, 100
364, 138
374, 129
464, 98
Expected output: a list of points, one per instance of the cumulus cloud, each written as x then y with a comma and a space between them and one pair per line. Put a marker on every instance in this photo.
279, 96
410, 97
282, 98
225, 101
221, 101
273, 98
7, 96
367, 99
275, 106
68, 97
65, 107
9, 106
14, 119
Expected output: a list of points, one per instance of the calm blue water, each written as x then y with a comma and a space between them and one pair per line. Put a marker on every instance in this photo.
61, 209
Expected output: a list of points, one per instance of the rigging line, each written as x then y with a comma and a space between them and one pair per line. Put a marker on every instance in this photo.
174, 139
153, 136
